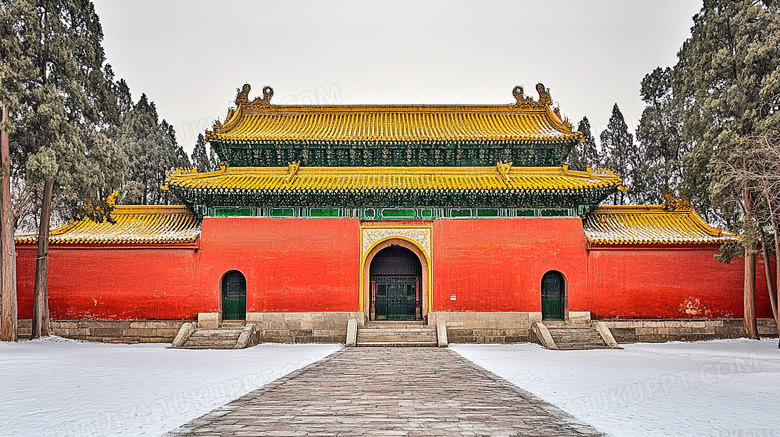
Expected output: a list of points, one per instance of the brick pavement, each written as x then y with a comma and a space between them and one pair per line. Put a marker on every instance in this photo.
388, 391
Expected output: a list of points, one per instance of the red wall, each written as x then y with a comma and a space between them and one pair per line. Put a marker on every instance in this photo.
313, 265
498, 264
667, 283
113, 284
289, 264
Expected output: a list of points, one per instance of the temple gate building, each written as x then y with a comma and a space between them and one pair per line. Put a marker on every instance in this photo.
461, 215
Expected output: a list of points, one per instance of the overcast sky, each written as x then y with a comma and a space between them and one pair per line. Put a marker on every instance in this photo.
190, 56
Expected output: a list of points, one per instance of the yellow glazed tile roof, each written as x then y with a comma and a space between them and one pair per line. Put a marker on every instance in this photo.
134, 225
632, 225
294, 179
260, 121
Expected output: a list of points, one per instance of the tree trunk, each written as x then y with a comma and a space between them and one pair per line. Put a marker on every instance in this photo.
8, 319
776, 230
768, 272
749, 316
777, 276
40, 322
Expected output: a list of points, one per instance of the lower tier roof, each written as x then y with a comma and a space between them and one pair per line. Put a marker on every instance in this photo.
132, 225
650, 225
502, 185
607, 226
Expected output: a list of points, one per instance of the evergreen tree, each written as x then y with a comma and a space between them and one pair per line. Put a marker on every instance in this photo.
584, 154
152, 152
61, 98
621, 155
200, 159
123, 97
726, 79
213, 158
180, 156
660, 137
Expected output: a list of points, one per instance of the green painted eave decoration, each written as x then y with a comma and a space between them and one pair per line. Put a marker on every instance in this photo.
396, 154
583, 200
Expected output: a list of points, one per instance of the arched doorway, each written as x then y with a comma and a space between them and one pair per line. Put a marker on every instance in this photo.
234, 296
396, 285
553, 296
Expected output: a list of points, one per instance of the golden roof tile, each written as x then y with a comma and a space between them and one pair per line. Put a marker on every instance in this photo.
134, 225
641, 225
259, 121
282, 179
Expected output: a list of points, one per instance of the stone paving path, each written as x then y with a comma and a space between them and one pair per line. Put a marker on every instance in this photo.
388, 391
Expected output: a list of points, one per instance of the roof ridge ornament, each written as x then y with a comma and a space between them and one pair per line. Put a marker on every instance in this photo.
524, 102
600, 172
544, 94
564, 121
673, 203
178, 171
503, 170
292, 170
242, 97
111, 201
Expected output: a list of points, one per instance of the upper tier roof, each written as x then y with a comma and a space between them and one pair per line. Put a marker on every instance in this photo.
644, 225
260, 122
133, 225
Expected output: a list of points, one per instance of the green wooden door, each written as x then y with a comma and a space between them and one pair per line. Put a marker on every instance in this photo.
234, 296
396, 297
552, 296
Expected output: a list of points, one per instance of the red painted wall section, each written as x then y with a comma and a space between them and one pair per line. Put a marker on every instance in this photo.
289, 264
498, 264
113, 283
668, 283
313, 265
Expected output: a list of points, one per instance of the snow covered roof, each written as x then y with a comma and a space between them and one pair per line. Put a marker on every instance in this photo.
133, 225
653, 224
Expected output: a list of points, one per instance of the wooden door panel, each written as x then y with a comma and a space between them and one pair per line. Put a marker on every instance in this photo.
552, 296
395, 297
234, 296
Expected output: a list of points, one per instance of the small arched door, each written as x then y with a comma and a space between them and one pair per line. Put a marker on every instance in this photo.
552, 296
234, 296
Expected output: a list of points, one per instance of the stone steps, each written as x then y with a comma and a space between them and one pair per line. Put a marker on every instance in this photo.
396, 334
377, 324
398, 344
574, 336
226, 332
229, 336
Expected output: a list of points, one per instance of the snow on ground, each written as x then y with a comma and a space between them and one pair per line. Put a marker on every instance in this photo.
59, 387
715, 388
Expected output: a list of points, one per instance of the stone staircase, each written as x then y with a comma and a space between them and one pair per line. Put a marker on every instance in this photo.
561, 335
229, 335
396, 334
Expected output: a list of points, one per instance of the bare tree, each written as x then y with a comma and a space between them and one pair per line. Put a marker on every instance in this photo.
756, 168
